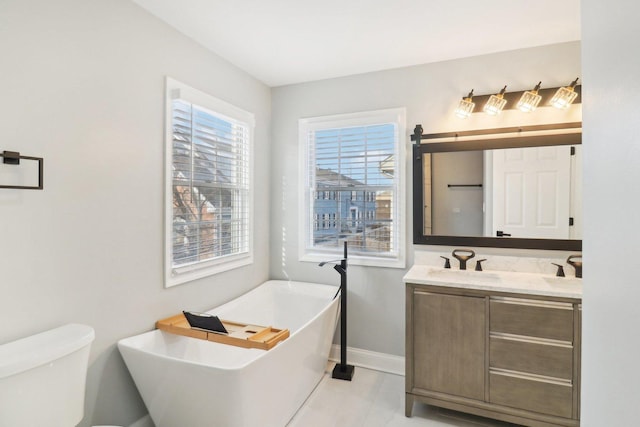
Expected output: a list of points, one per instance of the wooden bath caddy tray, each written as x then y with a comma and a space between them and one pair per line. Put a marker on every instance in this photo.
240, 334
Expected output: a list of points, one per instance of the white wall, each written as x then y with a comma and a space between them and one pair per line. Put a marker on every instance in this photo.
83, 87
610, 373
430, 93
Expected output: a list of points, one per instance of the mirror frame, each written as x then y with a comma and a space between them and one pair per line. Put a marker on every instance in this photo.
491, 140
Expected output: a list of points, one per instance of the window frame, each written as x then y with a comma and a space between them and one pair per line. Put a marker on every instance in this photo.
175, 89
397, 116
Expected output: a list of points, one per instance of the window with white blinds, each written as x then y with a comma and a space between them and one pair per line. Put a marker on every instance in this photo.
208, 186
354, 187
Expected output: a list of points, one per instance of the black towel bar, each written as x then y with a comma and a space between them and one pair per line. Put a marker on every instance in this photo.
464, 185
13, 158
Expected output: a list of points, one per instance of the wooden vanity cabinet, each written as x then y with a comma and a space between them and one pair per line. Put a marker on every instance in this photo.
505, 356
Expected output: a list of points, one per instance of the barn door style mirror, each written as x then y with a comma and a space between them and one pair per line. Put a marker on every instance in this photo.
517, 187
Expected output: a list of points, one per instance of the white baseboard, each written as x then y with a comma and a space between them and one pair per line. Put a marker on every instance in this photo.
370, 359
143, 422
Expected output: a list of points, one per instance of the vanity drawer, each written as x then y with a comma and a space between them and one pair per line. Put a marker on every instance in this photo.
537, 395
543, 319
534, 357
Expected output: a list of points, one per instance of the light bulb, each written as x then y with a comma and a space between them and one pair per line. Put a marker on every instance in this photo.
530, 100
496, 103
466, 106
565, 96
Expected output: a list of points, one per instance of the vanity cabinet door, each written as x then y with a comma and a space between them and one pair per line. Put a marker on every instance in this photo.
449, 344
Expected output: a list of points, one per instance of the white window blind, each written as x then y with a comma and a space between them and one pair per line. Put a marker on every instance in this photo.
351, 175
210, 188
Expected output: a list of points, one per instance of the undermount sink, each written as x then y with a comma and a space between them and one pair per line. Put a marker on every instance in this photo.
463, 275
563, 281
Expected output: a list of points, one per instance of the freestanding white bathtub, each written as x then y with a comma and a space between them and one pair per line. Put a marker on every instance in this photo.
196, 383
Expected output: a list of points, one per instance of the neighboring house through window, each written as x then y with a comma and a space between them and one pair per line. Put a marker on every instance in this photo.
353, 173
208, 176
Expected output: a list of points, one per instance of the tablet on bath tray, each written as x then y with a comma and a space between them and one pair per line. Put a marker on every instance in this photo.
205, 321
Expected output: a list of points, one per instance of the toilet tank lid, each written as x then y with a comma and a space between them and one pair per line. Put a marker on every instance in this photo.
36, 350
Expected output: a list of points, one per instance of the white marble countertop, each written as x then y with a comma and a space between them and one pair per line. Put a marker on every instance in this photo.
496, 281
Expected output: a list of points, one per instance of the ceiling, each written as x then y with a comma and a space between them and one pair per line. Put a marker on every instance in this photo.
283, 42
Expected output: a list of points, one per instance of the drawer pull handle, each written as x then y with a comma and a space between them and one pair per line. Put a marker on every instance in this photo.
532, 340
534, 303
531, 377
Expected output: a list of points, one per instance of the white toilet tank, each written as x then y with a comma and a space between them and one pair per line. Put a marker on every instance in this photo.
43, 377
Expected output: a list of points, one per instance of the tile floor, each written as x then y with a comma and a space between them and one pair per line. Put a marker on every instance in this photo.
374, 399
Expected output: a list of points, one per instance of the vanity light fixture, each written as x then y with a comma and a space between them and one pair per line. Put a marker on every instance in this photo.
523, 100
565, 96
530, 100
496, 103
466, 106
